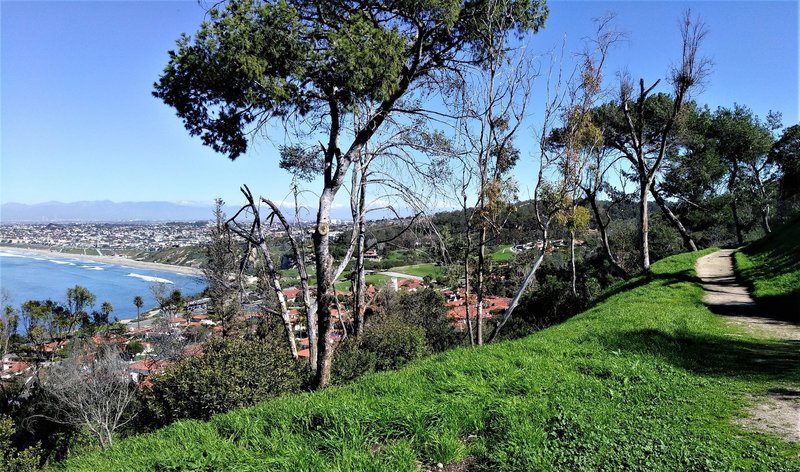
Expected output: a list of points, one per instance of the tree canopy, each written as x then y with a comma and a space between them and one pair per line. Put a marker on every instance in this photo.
253, 61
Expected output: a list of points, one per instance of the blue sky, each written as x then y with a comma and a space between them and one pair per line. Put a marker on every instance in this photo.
78, 122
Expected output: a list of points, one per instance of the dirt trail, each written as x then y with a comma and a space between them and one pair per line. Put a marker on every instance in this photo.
726, 296
778, 412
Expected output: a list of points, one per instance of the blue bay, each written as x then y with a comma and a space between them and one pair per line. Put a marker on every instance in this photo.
37, 277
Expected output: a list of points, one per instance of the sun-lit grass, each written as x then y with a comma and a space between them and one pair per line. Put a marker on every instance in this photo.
420, 270
503, 253
648, 379
771, 266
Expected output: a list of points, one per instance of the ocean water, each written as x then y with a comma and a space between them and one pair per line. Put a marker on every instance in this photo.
35, 277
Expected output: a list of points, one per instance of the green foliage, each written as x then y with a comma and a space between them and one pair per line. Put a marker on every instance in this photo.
11, 459
426, 309
648, 380
254, 60
134, 348
786, 153
230, 373
771, 266
394, 342
351, 362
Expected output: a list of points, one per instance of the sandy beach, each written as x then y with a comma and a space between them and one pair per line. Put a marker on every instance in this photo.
121, 261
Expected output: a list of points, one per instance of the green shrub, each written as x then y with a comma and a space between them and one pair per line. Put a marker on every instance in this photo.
394, 342
351, 362
231, 373
387, 343
12, 459
426, 309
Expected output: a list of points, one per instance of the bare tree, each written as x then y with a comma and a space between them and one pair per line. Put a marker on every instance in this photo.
221, 271
579, 141
9, 321
568, 140
92, 390
495, 106
646, 148
549, 197
254, 235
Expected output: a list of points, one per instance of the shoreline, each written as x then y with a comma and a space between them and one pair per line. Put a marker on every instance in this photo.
119, 261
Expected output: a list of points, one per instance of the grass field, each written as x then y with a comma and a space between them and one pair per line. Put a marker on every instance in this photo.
648, 379
771, 266
420, 270
503, 253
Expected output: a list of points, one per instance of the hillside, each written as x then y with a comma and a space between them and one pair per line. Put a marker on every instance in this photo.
648, 379
771, 266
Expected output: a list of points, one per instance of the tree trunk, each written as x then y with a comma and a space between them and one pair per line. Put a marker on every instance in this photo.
572, 260
520, 290
644, 226
734, 209
466, 298
479, 289
762, 191
276, 287
688, 241
325, 287
359, 281
467, 247
603, 228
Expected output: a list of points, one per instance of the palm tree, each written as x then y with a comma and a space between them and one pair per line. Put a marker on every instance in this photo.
106, 308
137, 300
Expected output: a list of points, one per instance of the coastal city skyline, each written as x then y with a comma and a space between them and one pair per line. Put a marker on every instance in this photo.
80, 124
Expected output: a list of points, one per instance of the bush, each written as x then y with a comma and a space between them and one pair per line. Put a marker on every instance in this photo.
231, 373
426, 309
12, 459
394, 343
387, 343
351, 362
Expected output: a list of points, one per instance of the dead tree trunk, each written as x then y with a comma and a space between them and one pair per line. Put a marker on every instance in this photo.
602, 226
688, 241
255, 237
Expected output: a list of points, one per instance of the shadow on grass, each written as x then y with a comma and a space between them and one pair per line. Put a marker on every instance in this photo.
715, 355
785, 308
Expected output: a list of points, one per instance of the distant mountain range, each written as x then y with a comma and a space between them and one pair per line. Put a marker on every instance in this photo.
104, 211
112, 212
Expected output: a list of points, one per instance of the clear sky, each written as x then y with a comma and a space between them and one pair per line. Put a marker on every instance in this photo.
78, 122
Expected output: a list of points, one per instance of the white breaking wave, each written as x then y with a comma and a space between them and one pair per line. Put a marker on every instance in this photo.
8, 254
61, 262
88, 267
149, 278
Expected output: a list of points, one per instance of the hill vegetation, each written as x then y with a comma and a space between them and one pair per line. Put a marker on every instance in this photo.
646, 379
771, 266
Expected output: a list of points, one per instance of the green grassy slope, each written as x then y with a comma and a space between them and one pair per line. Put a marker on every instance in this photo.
420, 270
503, 253
648, 379
771, 266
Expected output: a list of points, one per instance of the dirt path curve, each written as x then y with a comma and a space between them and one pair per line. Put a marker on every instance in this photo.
726, 296
777, 413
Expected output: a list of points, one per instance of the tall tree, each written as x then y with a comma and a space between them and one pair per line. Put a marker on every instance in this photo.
495, 105
743, 143
105, 312
138, 302
79, 301
221, 271
786, 153
648, 121
309, 63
